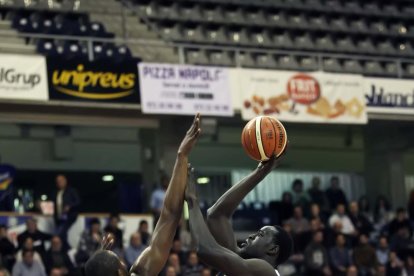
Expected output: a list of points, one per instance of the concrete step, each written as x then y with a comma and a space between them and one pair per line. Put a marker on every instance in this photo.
5, 25
16, 48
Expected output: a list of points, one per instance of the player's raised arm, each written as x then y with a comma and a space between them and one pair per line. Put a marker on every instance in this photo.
210, 251
153, 259
219, 215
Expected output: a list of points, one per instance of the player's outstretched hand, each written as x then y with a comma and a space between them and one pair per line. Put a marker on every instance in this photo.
191, 190
191, 137
267, 166
107, 241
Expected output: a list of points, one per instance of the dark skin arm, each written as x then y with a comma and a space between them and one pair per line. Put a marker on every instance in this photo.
219, 215
210, 251
153, 259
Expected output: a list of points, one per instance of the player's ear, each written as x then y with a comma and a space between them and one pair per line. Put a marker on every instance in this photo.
273, 251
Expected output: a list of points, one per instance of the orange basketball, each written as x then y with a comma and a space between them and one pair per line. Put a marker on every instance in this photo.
263, 137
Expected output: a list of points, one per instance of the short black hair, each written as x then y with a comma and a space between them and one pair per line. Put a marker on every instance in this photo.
143, 222
285, 242
94, 221
102, 262
26, 250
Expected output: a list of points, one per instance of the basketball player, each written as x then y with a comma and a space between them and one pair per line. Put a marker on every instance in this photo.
153, 259
260, 254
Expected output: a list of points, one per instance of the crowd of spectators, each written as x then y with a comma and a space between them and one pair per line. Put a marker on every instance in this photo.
332, 236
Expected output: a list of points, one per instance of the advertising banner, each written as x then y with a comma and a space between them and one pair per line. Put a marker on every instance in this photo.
302, 97
23, 77
185, 89
98, 81
390, 96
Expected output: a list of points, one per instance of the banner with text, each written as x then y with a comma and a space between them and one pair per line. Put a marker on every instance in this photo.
23, 77
184, 89
302, 97
103, 81
391, 96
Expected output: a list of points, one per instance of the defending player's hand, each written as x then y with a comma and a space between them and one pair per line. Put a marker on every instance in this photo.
190, 191
191, 137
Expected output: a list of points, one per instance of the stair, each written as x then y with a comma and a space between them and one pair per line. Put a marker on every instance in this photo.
11, 42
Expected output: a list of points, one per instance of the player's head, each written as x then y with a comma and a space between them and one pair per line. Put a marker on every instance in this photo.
270, 242
105, 262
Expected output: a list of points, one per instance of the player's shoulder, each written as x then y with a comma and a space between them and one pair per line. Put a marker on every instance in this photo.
260, 267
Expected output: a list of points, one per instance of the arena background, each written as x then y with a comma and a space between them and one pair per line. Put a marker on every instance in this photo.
103, 91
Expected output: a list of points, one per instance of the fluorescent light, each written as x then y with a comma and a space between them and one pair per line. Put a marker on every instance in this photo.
203, 180
107, 178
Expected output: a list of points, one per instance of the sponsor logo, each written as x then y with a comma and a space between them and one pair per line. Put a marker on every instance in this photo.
12, 78
379, 96
303, 89
86, 84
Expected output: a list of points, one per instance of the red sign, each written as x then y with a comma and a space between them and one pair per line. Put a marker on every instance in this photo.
303, 89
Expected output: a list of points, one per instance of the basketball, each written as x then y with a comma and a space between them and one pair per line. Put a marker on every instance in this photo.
263, 137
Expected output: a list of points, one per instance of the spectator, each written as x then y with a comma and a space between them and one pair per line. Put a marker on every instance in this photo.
383, 251
408, 269
364, 207
28, 245
134, 249
28, 266
56, 272
39, 238
298, 223
4, 272
170, 271
334, 194
157, 197
365, 257
400, 221
347, 227
299, 196
206, 272
316, 195
67, 201
90, 241
143, 230
359, 220
193, 267
340, 256
394, 266
286, 207
382, 211
315, 213
175, 262
56, 258
400, 240
7, 249
316, 257
177, 249
113, 228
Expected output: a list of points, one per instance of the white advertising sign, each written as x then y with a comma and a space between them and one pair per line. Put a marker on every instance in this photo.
184, 89
23, 77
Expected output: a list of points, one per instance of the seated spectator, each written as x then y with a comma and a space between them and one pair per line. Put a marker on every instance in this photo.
340, 256
316, 195
113, 228
143, 230
178, 250
134, 250
170, 271
359, 220
400, 240
382, 211
365, 257
334, 194
4, 272
56, 272
28, 266
383, 251
400, 221
57, 258
394, 266
365, 208
316, 257
28, 245
340, 216
298, 223
89, 242
206, 272
39, 238
408, 269
7, 249
193, 267
299, 196
175, 262
352, 271
286, 207
315, 213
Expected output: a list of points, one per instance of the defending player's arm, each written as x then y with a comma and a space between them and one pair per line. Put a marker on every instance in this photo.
153, 259
210, 251
219, 215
